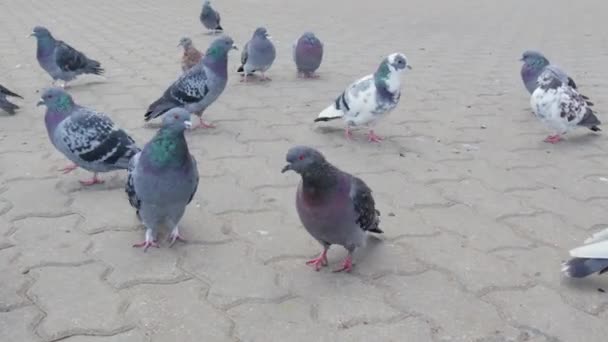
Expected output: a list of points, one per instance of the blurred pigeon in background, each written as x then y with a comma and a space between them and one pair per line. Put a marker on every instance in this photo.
308, 54
258, 54
5, 104
191, 55
210, 18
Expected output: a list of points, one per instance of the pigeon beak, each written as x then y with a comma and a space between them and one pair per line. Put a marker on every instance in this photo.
409, 67
40, 103
268, 36
30, 35
521, 59
234, 47
188, 124
286, 168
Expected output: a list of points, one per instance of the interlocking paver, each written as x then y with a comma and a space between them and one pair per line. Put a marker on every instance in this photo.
478, 212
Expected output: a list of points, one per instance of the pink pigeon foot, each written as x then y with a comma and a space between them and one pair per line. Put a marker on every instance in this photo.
69, 168
347, 265
319, 262
92, 181
175, 236
146, 244
348, 134
310, 75
372, 137
203, 124
265, 78
553, 139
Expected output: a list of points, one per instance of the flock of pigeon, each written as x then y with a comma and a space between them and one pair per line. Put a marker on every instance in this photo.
334, 206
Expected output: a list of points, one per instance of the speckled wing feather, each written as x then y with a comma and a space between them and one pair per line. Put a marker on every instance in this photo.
69, 59
93, 138
574, 107
130, 185
368, 217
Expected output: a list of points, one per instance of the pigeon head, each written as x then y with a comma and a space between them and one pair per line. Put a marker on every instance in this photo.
309, 38
549, 80
397, 62
303, 159
56, 99
177, 119
41, 32
206, 3
185, 42
220, 47
534, 58
261, 32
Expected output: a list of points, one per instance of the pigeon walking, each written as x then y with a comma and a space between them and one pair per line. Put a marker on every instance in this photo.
334, 206
257, 55
199, 87
163, 178
88, 138
5, 104
210, 18
60, 60
191, 55
370, 98
307, 54
560, 107
590, 258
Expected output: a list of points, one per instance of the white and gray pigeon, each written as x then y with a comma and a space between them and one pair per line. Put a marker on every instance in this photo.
163, 178
197, 88
61, 61
258, 54
87, 138
535, 63
560, 107
210, 18
590, 258
370, 98
335, 207
5, 104
307, 54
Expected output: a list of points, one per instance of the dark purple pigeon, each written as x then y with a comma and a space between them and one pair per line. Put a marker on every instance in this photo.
308, 54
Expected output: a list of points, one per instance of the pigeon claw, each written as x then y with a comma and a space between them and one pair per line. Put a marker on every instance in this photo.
203, 124
318, 262
69, 168
146, 244
553, 139
92, 181
347, 265
174, 237
372, 137
348, 134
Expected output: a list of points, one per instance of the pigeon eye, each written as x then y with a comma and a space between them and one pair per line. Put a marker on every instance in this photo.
176, 116
301, 157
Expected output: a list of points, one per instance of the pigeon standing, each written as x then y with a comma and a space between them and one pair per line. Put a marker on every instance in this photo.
308, 54
590, 258
199, 87
258, 54
560, 107
60, 60
163, 178
191, 55
210, 18
5, 104
334, 206
369, 98
88, 138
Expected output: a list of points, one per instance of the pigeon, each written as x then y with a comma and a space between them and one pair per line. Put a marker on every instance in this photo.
191, 55
163, 178
258, 54
60, 60
534, 65
199, 87
590, 258
307, 54
210, 18
369, 98
335, 207
5, 104
560, 107
87, 138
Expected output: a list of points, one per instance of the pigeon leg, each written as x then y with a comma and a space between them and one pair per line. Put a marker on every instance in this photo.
372, 137
174, 236
347, 264
149, 242
264, 77
348, 134
553, 139
204, 124
92, 181
244, 77
310, 75
320, 261
69, 168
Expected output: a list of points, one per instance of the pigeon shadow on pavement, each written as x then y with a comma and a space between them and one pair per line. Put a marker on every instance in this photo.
590, 284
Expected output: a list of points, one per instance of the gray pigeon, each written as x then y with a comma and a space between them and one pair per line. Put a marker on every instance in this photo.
60, 60
590, 258
258, 54
197, 88
210, 18
370, 98
334, 206
560, 107
308, 54
163, 178
5, 104
88, 138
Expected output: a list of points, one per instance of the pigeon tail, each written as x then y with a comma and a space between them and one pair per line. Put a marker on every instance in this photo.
219, 27
330, 113
8, 107
240, 69
583, 267
93, 67
591, 121
158, 108
375, 228
9, 93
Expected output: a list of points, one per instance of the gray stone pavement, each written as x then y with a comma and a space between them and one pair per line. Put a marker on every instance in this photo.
477, 220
